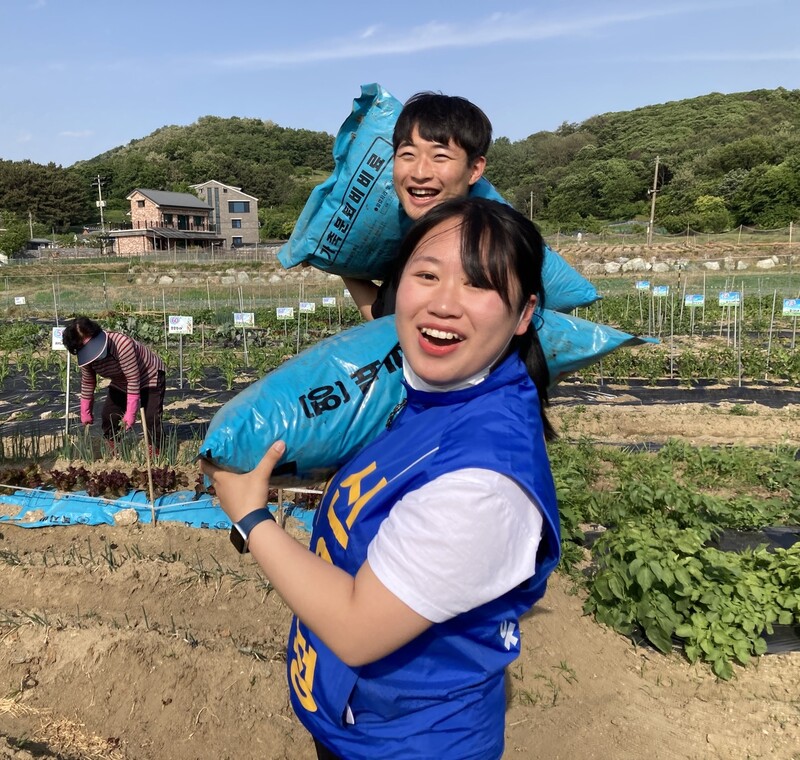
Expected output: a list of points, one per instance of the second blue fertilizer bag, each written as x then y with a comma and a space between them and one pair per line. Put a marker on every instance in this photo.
336, 396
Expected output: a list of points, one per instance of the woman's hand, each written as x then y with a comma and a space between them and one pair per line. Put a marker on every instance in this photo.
241, 494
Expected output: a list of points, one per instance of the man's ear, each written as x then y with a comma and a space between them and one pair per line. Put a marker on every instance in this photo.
527, 315
478, 166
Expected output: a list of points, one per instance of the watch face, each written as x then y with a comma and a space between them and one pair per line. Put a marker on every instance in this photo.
238, 539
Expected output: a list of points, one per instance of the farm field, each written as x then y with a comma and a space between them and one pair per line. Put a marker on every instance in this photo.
143, 642
158, 641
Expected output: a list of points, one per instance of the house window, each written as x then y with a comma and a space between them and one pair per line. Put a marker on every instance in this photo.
238, 207
236, 242
139, 204
167, 220
236, 224
198, 222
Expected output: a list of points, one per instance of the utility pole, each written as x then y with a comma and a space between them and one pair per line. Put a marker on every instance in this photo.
652, 205
100, 203
30, 223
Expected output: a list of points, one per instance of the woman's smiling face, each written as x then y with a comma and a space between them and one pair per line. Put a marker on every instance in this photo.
449, 329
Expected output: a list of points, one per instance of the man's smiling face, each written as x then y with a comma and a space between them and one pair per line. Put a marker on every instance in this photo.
427, 173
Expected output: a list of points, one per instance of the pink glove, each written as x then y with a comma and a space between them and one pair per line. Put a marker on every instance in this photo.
87, 418
129, 417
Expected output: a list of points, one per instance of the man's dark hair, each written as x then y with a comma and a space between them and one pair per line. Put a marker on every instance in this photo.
77, 331
442, 118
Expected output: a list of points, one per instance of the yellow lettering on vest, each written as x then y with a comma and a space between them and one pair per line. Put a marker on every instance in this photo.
336, 526
357, 500
301, 670
322, 550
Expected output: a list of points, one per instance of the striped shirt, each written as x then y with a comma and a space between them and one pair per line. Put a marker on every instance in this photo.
129, 365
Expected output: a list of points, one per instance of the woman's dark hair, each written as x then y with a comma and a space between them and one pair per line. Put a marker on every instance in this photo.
497, 244
77, 331
442, 118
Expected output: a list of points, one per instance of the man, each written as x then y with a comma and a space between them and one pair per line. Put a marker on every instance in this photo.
440, 144
137, 376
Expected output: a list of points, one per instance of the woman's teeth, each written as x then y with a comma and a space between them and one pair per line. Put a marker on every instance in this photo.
440, 334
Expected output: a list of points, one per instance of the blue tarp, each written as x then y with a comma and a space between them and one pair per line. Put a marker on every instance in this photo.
40, 508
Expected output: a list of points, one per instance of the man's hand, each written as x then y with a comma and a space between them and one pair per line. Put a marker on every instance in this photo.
240, 494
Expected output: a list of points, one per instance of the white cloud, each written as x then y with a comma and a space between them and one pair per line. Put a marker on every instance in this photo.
79, 134
498, 28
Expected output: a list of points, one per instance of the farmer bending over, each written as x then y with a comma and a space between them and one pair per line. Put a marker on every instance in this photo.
136, 373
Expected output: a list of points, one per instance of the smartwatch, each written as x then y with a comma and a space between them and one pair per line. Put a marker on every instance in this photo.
240, 531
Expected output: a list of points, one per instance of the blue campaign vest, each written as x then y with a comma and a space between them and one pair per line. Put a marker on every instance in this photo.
442, 694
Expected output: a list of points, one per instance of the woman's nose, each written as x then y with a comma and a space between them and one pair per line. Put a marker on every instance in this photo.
446, 300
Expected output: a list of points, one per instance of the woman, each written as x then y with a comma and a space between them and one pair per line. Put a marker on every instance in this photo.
433, 541
137, 375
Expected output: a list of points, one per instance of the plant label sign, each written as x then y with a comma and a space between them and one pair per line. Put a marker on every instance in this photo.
307, 307
642, 285
285, 312
346, 293
660, 291
694, 299
730, 298
19, 300
329, 301
57, 339
180, 325
244, 318
791, 307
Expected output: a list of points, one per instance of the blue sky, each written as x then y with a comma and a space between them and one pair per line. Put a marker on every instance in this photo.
79, 77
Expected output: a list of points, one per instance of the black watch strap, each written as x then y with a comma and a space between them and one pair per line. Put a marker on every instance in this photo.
240, 531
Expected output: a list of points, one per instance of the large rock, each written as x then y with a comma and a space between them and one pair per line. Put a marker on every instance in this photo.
636, 265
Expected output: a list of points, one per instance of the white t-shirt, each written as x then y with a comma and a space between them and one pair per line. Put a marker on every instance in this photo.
460, 541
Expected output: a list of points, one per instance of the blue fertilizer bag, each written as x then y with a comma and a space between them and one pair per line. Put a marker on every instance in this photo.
335, 397
352, 223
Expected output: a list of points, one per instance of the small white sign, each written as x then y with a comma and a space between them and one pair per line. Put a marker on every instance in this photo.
642, 285
791, 307
695, 299
329, 301
180, 325
244, 318
285, 312
660, 291
57, 339
730, 298
307, 307
19, 300
346, 293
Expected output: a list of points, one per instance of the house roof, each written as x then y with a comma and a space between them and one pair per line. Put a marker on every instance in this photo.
166, 198
222, 184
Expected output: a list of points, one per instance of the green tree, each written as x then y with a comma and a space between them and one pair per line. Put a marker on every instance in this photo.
710, 214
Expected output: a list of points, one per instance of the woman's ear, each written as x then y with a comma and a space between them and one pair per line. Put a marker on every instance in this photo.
527, 315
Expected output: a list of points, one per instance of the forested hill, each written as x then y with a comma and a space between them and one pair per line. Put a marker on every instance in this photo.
724, 160
258, 156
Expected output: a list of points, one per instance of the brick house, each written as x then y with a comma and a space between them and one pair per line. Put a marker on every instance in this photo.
234, 213
164, 221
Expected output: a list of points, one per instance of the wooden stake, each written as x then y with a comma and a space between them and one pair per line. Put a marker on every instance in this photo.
149, 466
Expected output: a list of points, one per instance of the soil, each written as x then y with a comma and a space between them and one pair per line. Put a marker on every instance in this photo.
160, 643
